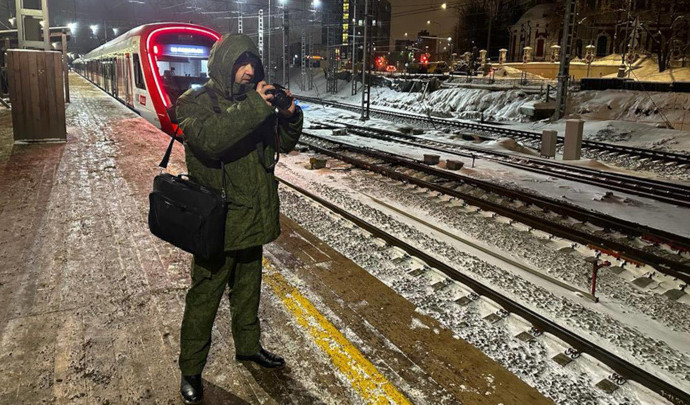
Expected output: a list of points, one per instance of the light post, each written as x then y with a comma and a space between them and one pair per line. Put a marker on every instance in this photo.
13, 21
429, 22
116, 31
589, 56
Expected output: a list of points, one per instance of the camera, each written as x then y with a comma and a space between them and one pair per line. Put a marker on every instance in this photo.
280, 97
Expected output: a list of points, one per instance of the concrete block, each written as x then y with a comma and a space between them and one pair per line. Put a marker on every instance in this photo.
454, 164
572, 148
549, 138
431, 159
607, 386
562, 359
674, 295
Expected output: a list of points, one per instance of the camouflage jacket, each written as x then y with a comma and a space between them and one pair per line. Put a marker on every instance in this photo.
242, 134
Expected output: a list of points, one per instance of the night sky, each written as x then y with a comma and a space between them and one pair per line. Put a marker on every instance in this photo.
423, 11
126, 14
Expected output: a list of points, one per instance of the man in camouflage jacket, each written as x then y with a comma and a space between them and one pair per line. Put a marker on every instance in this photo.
230, 120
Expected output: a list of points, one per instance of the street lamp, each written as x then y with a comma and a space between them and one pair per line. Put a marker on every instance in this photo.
72, 27
13, 21
444, 6
429, 22
94, 29
116, 31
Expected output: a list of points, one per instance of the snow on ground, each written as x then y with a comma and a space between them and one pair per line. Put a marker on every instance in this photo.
628, 207
627, 329
629, 320
647, 69
615, 116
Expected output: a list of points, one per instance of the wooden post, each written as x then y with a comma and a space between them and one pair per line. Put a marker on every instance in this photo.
36, 92
64, 66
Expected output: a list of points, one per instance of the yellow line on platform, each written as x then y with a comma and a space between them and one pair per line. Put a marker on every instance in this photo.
372, 386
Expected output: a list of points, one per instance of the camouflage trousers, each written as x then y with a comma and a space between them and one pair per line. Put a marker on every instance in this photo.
239, 270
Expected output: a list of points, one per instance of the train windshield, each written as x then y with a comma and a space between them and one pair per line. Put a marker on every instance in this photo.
182, 61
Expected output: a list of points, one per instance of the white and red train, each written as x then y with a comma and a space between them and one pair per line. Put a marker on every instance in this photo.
150, 66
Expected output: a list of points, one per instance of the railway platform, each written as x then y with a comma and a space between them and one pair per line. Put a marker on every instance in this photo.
91, 302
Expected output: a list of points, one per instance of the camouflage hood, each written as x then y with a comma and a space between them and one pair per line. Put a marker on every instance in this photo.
222, 60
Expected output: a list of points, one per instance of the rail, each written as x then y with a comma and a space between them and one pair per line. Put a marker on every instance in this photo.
619, 365
663, 264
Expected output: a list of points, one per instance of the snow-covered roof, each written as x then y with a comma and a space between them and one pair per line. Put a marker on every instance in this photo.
538, 12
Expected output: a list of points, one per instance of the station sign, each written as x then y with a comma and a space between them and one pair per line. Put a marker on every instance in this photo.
186, 50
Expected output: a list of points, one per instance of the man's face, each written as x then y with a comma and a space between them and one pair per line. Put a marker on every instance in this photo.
244, 74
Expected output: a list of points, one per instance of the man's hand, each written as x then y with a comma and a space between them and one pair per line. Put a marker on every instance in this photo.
290, 111
261, 88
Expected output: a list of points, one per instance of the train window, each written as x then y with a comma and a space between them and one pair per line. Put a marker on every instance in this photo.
138, 76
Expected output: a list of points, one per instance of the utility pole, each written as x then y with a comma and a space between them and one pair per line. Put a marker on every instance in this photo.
285, 64
310, 50
564, 68
354, 50
331, 80
270, 68
621, 69
303, 67
366, 88
261, 37
240, 28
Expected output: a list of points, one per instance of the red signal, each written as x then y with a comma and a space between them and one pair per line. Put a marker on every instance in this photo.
424, 59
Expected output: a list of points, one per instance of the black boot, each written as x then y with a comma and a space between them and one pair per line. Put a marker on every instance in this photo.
191, 389
264, 358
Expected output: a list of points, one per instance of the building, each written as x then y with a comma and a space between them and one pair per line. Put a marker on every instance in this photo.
611, 26
343, 19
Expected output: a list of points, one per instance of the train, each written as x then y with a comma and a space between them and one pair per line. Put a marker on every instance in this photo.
150, 66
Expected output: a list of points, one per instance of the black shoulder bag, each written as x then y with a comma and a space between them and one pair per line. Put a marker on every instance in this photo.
187, 214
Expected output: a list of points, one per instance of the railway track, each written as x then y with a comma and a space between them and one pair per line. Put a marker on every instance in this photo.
606, 234
671, 193
492, 131
623, 369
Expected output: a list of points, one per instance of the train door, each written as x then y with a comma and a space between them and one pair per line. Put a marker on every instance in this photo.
114, 76
127, 77
142, 100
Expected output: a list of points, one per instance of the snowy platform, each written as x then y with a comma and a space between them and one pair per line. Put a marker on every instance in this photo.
91, 302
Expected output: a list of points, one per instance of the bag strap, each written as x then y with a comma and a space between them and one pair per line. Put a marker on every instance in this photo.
166, 158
